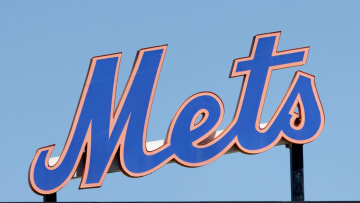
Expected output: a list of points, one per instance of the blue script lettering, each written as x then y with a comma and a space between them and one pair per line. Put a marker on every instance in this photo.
101, 130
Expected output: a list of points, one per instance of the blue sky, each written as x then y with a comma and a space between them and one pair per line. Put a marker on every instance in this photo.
46, 48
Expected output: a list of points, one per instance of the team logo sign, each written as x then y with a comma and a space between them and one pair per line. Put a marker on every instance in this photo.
101, 130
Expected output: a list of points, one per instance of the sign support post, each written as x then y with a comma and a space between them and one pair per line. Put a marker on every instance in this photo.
297, 172
49, 198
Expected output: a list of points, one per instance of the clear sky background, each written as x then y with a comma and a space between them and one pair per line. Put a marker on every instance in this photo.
46, 47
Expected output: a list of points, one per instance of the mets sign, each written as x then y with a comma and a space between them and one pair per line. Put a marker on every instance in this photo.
100, 130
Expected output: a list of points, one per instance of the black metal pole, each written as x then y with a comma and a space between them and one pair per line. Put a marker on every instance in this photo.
297, 172
49, 198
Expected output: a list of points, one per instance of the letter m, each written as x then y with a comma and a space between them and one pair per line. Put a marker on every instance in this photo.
97, 127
